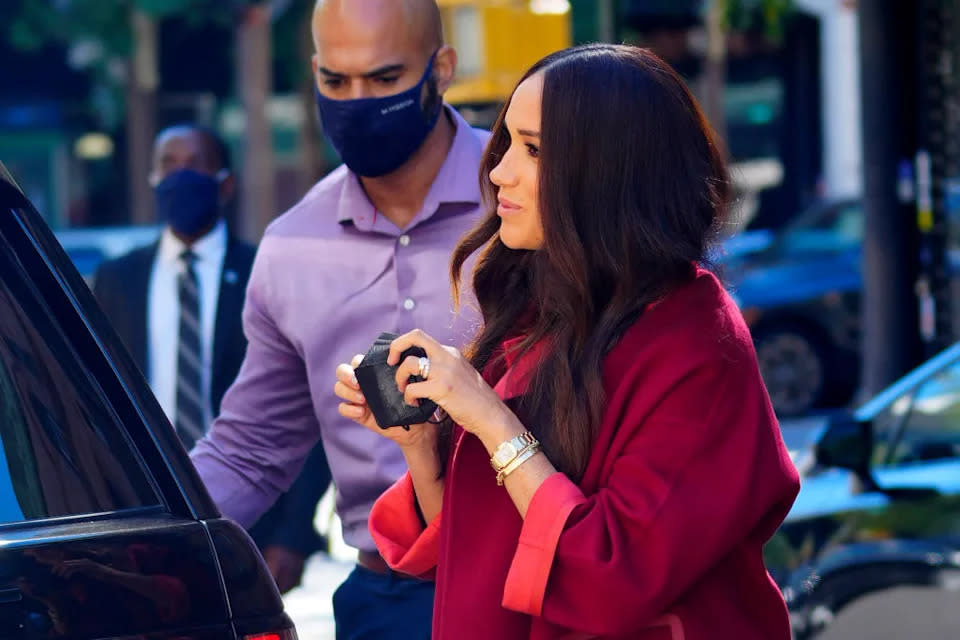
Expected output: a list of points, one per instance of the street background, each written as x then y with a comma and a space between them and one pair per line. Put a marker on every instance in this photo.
842, 125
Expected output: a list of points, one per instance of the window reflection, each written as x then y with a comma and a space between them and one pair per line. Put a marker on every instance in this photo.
62, 452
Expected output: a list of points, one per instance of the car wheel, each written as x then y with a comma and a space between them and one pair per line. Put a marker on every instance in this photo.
793, 364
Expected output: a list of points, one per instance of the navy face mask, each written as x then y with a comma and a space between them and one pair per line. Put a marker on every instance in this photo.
189, 201
375, 136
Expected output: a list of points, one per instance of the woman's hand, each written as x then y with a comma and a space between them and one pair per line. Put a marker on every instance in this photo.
419, 444
458, 388
354, 406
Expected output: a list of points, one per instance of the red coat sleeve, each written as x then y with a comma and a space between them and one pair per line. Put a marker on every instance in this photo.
399, 534
695, 474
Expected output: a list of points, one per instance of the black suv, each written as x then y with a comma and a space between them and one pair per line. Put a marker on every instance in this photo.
106, 531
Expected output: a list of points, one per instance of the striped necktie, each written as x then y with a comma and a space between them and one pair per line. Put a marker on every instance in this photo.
190, 404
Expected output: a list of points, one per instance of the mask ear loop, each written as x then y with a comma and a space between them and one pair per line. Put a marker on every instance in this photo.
220, 176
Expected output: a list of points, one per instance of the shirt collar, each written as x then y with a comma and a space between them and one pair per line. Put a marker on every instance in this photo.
455, 182
208, 247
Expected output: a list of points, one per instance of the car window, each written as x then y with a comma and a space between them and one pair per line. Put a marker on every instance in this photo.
923, 425
62, 452
839, 227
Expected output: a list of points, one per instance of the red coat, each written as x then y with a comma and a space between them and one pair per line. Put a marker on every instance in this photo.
663, 537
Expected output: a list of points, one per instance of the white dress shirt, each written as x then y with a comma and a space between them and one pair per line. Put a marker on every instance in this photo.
163, 313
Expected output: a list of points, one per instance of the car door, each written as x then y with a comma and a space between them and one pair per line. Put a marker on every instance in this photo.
101, 515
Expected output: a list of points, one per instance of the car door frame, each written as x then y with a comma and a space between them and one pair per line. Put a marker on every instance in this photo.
100, 349
176, 525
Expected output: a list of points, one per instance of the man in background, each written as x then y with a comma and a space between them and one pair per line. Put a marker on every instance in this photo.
177, 305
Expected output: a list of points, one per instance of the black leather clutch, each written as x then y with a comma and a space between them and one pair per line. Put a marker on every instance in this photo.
379, 386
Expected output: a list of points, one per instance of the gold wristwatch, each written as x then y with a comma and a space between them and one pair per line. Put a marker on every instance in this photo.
507, 452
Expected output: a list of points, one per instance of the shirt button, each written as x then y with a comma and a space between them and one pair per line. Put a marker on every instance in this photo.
404, 240
409, 304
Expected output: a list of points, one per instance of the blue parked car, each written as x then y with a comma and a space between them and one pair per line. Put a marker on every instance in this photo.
87, 248
871, 547
799, 290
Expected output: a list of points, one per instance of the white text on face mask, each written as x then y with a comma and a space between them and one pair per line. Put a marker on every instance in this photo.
401, 105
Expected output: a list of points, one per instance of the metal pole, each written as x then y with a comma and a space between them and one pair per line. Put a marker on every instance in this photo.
142, 82
257, 182
889, 305
606, 21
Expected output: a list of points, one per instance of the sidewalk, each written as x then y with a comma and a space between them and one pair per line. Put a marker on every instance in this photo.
309, 605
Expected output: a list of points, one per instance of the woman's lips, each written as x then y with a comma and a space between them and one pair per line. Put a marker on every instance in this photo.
506, 206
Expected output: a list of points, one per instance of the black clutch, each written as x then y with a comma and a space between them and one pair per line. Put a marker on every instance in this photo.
379, 386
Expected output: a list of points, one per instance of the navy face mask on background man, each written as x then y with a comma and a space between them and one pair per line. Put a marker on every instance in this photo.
375, 136
189, 201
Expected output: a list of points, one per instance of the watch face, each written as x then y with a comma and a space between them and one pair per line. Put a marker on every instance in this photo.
505, 453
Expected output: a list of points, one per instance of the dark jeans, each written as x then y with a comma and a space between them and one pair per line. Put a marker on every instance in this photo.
371, 606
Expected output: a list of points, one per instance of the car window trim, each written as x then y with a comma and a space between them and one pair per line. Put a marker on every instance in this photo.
58, 521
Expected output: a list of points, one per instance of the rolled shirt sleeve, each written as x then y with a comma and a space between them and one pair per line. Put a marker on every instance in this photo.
267, 424
546, 516
401, 538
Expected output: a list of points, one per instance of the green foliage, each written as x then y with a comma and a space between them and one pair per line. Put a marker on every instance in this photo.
37, 23
767, 16
292, 45
42, 22
163, 8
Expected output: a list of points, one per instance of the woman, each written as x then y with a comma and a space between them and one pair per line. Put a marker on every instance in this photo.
619, 405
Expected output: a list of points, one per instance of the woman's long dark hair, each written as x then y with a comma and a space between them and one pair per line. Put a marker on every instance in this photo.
632, 183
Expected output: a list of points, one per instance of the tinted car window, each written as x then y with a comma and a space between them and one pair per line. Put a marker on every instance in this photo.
924, 425
62, 452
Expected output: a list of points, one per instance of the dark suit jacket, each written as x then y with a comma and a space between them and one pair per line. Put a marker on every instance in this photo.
122, 287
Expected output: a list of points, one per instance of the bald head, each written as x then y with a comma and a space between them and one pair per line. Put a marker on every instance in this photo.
420, 18
376, 48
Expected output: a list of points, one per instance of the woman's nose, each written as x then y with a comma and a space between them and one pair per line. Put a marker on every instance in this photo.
500, 175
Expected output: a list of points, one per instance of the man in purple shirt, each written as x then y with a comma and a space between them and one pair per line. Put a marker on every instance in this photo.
367, 250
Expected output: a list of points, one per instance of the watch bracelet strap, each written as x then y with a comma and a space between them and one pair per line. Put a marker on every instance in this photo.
525, 454
522, 441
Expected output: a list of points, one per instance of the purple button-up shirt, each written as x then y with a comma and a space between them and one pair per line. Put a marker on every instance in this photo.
330, 275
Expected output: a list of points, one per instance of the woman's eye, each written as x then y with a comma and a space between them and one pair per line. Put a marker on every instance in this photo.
533, 150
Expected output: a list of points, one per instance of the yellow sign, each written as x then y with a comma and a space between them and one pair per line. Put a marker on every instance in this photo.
497, 40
